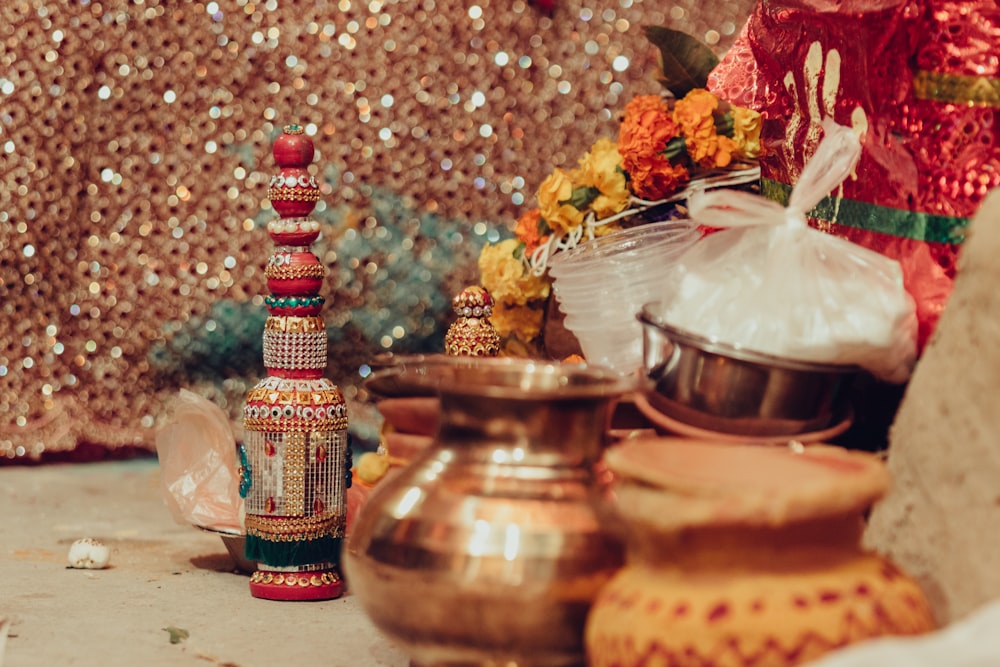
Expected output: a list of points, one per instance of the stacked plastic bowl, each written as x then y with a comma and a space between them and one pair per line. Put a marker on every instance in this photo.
602, 284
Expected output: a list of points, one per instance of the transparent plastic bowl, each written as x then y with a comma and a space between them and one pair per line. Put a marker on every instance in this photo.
654, 239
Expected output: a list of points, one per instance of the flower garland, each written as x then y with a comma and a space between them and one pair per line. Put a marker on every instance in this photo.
666, 149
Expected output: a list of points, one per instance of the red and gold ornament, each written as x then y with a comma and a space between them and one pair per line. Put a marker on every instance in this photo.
295, 418
472, 334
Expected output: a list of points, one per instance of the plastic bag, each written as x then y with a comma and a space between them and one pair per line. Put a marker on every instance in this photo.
917, 74
772, 284
198, 466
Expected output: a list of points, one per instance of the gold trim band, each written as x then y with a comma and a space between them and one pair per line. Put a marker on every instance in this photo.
297, 529
294, 324
272, 397
291, 272
268, 425
293, 194
291, 579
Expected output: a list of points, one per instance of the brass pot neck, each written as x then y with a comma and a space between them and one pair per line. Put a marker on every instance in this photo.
523, 430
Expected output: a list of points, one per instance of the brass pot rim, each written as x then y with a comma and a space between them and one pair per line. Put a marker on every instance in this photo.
504, 377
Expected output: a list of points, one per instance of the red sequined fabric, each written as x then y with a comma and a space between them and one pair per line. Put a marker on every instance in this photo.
920, 80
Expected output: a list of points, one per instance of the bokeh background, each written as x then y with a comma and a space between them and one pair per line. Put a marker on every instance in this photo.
135, 154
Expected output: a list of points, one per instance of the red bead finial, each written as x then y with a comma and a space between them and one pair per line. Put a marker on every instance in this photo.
293, 192
293, 148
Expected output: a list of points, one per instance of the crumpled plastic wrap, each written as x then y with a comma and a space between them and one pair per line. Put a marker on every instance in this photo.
917, 78
198, 465
971, 642
772, 284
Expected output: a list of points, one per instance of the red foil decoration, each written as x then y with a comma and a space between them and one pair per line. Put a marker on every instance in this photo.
919, 80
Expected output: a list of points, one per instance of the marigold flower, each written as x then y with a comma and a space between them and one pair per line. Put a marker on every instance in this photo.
521, 321
505, 277
528, 230
746, 131
601, 168
655, 177
695, 114
641, 103
556, 188
647, 127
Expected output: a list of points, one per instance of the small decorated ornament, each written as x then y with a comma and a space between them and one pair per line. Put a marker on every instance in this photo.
472, 335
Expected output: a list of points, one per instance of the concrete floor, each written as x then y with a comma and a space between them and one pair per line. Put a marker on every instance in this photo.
162, 575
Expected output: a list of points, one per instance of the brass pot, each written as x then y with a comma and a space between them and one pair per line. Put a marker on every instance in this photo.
487, 549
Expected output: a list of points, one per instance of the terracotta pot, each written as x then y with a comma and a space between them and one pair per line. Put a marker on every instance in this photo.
487, 548
741, 556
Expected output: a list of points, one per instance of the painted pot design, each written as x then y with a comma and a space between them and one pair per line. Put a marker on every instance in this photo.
741, 556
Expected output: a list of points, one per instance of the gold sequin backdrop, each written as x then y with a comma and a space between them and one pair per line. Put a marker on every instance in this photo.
135, 154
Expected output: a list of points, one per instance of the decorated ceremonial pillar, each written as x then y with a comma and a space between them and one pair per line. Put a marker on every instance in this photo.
296, 460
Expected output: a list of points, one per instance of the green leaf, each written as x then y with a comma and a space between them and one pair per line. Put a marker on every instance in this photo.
581, 197
675, 147
724, 124
519, 251
177, 635
543, 228
685, 61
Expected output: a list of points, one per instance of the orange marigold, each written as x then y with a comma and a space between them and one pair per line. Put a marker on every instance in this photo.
695, 114
646, 129
641, 103
713, 152
655, 177
527, 230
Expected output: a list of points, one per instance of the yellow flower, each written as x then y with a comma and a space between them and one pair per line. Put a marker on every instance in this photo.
505, 277
601, 168
604, 230
746, 131
557, 187
521, 321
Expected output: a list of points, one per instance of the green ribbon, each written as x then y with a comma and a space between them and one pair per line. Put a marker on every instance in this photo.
325, 549
981, 91
872, 217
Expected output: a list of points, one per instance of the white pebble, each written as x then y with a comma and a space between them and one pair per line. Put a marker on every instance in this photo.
89, 554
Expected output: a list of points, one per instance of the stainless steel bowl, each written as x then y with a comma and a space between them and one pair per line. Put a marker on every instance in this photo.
235, 543
726, 389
